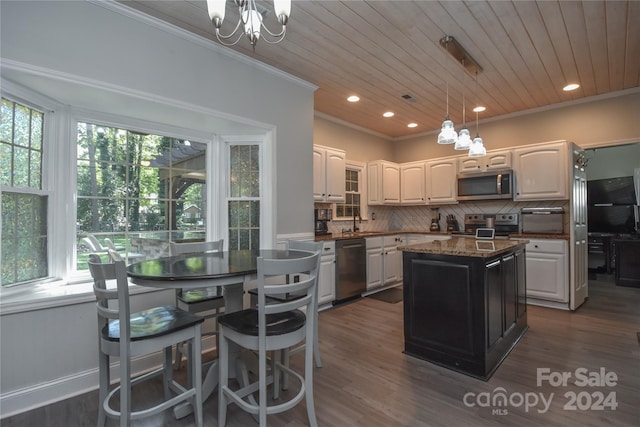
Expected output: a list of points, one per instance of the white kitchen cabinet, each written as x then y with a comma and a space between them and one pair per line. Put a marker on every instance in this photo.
384, 261
542, 171
547, 271
383, 183
494, 160
441, 181
329, 166
412, 183
327, 275
375, 255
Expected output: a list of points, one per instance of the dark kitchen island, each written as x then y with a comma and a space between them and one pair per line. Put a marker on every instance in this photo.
464, 302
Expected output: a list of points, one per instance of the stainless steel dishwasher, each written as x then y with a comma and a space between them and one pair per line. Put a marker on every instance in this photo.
351, 268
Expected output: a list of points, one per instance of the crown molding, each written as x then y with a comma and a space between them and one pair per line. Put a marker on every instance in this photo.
124, 10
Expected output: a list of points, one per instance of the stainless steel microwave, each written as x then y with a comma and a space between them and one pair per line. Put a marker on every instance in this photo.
497, 184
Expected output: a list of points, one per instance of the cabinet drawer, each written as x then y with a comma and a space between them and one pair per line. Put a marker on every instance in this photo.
547, 246
328, 248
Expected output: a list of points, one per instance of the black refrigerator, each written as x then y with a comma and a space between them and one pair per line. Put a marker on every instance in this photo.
612, 206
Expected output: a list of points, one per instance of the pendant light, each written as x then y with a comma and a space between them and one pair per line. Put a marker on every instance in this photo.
448, 134
464, 138
477, 147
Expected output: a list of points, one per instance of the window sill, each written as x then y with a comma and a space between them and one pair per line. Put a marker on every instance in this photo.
57, 293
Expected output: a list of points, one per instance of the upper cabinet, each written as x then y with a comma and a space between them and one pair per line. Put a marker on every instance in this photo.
498, 159
542, 171
329, 165
383, 182
412, 183
441, 181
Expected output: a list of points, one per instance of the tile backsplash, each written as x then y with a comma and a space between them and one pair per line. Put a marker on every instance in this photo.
418, 218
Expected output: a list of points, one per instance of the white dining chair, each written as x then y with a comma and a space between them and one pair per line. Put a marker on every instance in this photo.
272, 327
128, 256
125, 336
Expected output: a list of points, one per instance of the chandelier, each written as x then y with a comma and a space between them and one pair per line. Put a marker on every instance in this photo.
448, 135
250, 20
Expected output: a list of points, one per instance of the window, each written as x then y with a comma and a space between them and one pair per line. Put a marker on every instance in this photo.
24, 203
138, 190
354, 195
244, 196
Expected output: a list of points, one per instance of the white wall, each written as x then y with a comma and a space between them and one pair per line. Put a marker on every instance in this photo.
102, 57
612, 162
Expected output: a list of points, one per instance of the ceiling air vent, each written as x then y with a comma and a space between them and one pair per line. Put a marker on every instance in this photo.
409, 98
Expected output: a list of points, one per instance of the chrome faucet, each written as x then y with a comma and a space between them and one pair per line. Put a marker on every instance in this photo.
356, 213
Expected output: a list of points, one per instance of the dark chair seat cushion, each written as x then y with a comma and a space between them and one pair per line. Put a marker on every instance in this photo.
153, 322
199, 295
246, 322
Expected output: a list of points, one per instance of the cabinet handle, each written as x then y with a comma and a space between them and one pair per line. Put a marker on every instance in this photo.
508, 257
493, 264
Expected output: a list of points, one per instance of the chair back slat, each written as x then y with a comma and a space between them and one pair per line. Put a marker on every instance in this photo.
196, 247
306, 287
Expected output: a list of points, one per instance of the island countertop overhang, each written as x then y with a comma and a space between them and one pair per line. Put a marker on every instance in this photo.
466, 247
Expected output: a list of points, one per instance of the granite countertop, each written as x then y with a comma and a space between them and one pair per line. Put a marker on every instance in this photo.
342, 236
465, 246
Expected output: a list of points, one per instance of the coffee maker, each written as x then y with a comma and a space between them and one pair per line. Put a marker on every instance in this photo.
321, 217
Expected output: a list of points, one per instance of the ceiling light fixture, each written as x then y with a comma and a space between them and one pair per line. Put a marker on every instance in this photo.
464, 138
570, 87
477, 147
412, 125
250, 20
353, 98
448, 134
389, 114
479, 109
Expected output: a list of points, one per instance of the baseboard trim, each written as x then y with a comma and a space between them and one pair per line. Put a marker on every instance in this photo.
39, 395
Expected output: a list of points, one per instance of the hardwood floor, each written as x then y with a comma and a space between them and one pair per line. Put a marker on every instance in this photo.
367, 380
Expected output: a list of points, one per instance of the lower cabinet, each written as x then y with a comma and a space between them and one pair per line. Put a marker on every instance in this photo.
464, 313
384, 261
327, 276
547, 270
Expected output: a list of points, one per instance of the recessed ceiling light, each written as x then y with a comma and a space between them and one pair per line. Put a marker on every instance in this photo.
571, 86
389, 114
479, 109
412, 125
353, 98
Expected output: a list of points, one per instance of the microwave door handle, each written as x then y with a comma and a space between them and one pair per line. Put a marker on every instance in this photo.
499, 183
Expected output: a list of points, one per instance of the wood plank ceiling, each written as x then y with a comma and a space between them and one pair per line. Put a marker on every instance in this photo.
382, 50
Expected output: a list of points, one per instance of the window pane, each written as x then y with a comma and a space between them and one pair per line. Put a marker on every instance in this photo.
5, 164
144, 190
6, 126
21, 125
24, 216
24, 239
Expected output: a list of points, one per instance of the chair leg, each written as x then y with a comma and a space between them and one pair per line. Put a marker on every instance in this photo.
196, 375
262, 373
125, 392
286, 355
276, 357
104, 375
178, 360
190, 355
308, 383
316, 346
223, 376
167, 373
